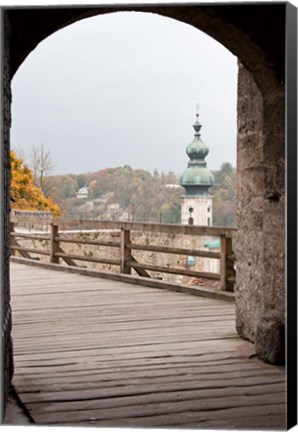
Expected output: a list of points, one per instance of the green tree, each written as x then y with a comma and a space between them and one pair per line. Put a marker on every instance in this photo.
81, 181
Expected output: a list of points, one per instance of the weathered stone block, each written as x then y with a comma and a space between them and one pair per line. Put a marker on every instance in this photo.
248, 293
270, 339
253, 241
250, 146
250, 182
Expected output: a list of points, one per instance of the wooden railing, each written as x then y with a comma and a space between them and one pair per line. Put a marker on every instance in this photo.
56, 237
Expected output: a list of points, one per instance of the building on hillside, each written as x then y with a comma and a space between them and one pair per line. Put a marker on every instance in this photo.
83, 193
197, 202
172, 186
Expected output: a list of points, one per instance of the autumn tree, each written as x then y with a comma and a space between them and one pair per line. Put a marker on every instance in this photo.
61, 187
26, 195
224, 196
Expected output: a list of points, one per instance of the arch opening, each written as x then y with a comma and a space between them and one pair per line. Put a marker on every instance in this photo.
120, 90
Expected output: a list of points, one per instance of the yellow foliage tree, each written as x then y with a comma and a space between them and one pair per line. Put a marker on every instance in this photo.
26, 195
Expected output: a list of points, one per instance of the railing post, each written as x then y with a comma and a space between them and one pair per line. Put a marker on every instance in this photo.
125, 253
11, 239
54, 244
227, 272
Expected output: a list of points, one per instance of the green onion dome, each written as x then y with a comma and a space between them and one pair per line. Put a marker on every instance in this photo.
196, 179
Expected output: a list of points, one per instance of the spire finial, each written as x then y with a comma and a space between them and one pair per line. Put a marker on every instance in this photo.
197, 110
197, 126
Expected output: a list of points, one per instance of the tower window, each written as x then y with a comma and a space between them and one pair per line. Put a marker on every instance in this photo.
208, 221
190, 219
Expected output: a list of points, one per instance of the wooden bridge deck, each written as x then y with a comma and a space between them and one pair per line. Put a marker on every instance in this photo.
95, 352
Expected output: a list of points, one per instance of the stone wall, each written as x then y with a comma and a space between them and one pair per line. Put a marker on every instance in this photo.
7, 360
44, 216
270, 334
260, 290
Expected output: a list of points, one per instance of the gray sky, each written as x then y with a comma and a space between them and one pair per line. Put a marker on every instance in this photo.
122, 89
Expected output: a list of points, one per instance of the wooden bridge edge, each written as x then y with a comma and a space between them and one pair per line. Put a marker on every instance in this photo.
201, 291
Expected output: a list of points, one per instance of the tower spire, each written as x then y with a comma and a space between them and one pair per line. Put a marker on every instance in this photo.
197, 125
197, 110
196, 181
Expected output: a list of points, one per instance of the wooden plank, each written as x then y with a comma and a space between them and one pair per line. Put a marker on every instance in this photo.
157, 398
87, 242
40, 237
90, 354
54, 245
107, 389
158, 375
24, 251
126, 344
133, 226
147, 227
140, 271
240, 403
121, 325
176, 251
227, 272
174, 270
153, 344
72, 257
118, 324
125, 253
46, 369
237, 417
14, 243
146, 336
139, 365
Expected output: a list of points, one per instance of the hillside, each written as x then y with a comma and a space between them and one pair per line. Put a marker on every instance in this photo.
123, 193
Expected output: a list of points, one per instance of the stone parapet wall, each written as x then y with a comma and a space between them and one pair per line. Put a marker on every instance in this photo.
40, 219
41, 215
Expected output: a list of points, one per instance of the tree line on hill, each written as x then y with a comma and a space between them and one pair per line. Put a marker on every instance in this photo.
120, 193
136, 194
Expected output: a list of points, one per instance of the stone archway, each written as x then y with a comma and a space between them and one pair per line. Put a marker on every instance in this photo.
256, 35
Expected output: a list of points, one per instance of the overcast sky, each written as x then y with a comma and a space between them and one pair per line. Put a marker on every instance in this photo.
122, 89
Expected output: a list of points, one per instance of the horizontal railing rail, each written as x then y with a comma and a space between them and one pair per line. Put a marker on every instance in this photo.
57, 236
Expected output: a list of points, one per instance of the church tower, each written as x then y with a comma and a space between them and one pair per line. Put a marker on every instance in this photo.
197, 203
